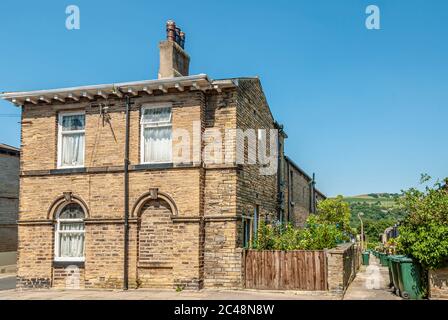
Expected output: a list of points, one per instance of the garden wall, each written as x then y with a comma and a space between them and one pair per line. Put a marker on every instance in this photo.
342, 263
438, 283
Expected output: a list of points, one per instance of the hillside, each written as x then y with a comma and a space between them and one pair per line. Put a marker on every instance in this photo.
380, 211
385, 199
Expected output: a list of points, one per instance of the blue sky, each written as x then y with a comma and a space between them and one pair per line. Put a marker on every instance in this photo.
364, 109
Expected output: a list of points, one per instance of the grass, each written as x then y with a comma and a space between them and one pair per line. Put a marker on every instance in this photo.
386, 202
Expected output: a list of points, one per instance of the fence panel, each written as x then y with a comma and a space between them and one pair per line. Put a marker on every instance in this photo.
285, 270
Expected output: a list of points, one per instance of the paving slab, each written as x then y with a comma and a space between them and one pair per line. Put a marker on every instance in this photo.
371, 283
143, 294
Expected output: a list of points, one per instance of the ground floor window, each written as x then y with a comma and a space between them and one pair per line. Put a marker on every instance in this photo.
69, 234
247, 228
256, 220
250, 227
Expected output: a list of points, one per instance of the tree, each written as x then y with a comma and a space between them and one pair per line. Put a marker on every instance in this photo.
335, 211
424, 232
324, 230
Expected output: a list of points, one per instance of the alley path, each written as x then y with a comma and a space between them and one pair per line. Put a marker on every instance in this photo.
371, 283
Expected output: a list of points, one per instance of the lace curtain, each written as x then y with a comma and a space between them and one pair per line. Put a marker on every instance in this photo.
73, 137
71, 232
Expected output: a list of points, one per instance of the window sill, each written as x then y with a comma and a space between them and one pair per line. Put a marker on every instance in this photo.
68, 170
65, 263
57, 259
161, 165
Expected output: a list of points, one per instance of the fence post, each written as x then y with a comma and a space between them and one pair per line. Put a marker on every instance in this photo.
243, 269
326, 268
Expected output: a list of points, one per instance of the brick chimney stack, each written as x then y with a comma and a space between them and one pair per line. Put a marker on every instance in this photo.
174, 61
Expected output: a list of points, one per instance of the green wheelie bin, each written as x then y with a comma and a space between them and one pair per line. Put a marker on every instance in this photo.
383, 259
365, 258
394, 265
389, 265
410, 279
386, 260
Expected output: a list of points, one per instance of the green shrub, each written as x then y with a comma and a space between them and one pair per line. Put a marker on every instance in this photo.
322, 231
320, 235
424, 231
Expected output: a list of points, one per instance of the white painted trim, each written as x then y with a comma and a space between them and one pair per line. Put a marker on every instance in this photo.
60, 259
57, 232
60, 116
154, 125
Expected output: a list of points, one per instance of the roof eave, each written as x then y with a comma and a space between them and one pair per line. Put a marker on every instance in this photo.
195, 82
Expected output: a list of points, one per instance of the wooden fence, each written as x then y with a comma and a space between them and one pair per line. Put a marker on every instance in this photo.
285, 270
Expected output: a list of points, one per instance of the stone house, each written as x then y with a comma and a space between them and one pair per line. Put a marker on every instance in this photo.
9, 204
300, 193
129, 191
9, 197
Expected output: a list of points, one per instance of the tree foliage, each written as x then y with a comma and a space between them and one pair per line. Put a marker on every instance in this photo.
377, 217
330, 226
424, 232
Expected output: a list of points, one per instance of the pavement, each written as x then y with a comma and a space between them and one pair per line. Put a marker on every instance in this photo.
7, 281
143, 294
8, 292
371, 283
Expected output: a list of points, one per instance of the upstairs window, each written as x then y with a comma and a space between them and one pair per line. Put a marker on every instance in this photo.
156, 135
70, 234
71, 140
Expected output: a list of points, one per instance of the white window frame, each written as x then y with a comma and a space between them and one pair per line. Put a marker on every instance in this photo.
143, 126
58, 232
60, 117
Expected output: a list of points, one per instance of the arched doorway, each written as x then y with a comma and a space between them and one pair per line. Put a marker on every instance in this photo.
155, 244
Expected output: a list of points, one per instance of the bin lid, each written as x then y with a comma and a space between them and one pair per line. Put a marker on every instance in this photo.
405, 259
396, 258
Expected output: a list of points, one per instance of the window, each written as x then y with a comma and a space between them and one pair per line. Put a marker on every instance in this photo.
247, 228
255, 221
250, 225
71, 140
156, 135
291, 175
69, 236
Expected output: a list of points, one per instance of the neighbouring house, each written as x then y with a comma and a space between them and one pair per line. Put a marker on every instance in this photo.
300, 194
9, 203
140, 184
389, 233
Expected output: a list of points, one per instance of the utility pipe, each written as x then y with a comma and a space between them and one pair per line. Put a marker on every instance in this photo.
126, 198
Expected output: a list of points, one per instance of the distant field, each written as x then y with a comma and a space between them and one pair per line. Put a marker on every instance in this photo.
386, 202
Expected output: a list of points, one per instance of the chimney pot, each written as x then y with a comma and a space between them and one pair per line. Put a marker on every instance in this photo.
171, 30
178, 35
182, 40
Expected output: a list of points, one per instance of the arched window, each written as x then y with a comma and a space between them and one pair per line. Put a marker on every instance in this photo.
69, 236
